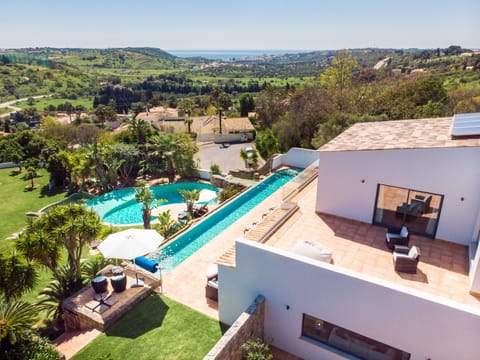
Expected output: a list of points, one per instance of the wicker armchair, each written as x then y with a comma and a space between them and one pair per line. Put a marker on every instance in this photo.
397, 238
405, 259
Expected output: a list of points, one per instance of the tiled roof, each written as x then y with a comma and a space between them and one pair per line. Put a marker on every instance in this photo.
398, 134
238, 124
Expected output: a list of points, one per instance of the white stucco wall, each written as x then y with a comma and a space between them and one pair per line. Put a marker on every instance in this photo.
453, 172
296, 157
424, 325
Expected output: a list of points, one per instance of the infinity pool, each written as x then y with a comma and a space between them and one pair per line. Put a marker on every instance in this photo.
119, 207
192, 240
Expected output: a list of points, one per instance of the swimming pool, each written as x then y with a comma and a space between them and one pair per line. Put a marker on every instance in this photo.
119, 207
192, 240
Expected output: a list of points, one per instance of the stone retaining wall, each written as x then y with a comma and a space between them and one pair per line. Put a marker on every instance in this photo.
221, 182
248, 326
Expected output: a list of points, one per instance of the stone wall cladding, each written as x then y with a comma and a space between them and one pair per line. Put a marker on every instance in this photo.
248, 326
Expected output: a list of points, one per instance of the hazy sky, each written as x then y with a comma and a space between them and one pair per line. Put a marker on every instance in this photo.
245, 24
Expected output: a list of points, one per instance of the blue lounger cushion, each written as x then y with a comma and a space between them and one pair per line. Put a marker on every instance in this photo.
147, 264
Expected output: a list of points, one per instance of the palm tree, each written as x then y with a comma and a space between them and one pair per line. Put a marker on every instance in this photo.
190, 196
16, 319
144, 196
244, 156
16, 275
167, 225
222, 102
188, 121
167, 146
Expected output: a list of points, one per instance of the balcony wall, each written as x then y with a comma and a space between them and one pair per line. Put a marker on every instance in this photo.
424, 325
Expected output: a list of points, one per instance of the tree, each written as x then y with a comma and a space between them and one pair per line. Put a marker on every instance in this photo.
16, 319
104, 113
267, 144
166, 225
244, 156
32, 166
127, 155
190, 196
247, 104
17, 275
222, 102
69, 109
270, 106
144, 196
136, 109
188, 121
338, 77
185, 106
69, 227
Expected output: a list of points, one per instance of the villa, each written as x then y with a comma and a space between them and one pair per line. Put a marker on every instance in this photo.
344, 298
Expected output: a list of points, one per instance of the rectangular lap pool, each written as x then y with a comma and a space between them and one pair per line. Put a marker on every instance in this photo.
192, 240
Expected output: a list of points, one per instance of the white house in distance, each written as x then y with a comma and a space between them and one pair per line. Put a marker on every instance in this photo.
423, 174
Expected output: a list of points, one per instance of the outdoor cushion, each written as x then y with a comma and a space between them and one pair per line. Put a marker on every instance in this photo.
146, 264
413, 253
404, 232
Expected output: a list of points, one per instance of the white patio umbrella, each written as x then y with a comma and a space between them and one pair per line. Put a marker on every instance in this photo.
206, 195
129, 244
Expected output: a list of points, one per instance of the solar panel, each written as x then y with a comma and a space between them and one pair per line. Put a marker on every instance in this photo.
466, 125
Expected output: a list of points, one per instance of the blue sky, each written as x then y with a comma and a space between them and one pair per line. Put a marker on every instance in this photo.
246, 24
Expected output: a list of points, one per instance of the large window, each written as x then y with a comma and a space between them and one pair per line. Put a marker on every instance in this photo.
418, 210
349, 341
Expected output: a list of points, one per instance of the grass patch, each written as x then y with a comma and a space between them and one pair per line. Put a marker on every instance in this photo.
17, 201
157, 328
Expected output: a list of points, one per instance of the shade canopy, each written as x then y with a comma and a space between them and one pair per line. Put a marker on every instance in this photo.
131, 243
206, 196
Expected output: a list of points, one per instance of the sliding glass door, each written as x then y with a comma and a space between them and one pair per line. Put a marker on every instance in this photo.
418, 210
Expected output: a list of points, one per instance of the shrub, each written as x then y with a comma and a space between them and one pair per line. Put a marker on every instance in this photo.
215, 169
257, 350
228, 192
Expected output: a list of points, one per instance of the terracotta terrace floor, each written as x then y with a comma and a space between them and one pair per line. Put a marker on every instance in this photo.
443, 266
442, 271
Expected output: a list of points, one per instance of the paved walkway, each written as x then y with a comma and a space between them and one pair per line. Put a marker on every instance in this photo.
70, 343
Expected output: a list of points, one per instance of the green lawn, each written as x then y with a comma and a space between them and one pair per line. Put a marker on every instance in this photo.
16, 201
157, 328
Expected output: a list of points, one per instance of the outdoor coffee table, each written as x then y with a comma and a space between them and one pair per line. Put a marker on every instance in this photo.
101, 303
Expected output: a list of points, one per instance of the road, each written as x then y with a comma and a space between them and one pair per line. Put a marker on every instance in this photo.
227, 158
9, 104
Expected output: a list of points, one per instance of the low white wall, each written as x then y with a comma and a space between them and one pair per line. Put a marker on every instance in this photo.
7, 165
238, 137
452, 172
425, 326
204, 174
296, 157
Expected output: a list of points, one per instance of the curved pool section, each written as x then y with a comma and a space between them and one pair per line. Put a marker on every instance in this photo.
119, 207
192, 240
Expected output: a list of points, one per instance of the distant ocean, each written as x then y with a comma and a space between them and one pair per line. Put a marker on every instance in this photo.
229, 54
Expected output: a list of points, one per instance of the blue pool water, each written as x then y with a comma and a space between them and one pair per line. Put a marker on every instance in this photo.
192, 240
120, 207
